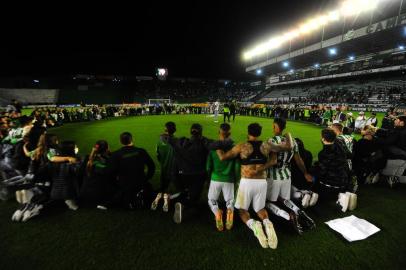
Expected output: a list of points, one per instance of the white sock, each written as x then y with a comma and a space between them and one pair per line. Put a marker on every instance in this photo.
297, 195
158, 197
277, 211
289, 204
174, 196
250, 223
266, 221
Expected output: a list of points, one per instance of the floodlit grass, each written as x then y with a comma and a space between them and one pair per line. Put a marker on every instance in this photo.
119, 239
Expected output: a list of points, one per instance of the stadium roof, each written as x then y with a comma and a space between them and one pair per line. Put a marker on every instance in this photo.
368, 32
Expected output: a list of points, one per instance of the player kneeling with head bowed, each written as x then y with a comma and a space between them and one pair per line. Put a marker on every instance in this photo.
253, 186
223, 176
280, 183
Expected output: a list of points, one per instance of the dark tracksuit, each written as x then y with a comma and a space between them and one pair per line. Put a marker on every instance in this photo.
127, 167
332, 171
190, 157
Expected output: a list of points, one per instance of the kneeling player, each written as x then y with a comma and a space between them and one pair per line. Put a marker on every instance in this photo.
279, 181
223, 175
252, 189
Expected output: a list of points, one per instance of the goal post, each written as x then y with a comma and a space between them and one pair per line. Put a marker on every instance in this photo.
159, 101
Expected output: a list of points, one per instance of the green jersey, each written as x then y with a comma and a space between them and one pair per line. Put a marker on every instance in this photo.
227, 171
282, 171
327, 114
14, 136
166, 157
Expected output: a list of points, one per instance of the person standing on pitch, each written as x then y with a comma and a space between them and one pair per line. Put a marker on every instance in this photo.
226, 112
216, 111
166, 158
233, 109
252, 190
223, 176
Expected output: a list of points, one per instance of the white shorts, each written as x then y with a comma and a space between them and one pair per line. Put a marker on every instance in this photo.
214, 193
278, 188
251, 192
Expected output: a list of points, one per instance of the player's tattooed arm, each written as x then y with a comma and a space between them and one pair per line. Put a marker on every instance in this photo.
233, 153
271, 162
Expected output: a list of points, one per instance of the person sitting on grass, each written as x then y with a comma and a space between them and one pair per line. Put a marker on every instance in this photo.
96, 187
126, 167
300, 183
44, 160
223, 176
368, 158
253, 186
66, 175
395, 151
166, 157
332, 172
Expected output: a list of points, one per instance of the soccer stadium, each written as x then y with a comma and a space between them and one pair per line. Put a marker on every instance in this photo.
287, 151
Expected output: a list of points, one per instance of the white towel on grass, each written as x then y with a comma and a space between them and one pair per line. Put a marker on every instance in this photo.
353, 228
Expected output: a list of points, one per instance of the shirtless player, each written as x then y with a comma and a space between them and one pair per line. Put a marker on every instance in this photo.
253, 186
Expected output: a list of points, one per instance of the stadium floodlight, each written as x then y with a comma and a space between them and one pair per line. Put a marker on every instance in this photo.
259, 71
285, 64
333, 16
354, 7
317, 65
401, 47
36, 81
292, 71
348, 8
332, 51
351, 57
290, 35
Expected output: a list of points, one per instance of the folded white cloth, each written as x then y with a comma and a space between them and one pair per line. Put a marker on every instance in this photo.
353, 228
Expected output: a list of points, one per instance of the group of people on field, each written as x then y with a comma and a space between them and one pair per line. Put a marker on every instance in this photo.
274, 176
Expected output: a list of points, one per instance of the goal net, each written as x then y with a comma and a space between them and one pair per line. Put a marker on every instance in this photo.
159, 101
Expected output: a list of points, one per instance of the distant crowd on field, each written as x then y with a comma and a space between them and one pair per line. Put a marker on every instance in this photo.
276, 177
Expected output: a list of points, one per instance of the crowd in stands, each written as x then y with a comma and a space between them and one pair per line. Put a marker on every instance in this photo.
276, 176
324, 94
184, 90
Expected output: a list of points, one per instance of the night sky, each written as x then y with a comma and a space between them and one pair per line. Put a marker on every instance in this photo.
202, 39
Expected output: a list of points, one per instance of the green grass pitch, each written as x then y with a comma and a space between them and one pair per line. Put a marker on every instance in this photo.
119, 239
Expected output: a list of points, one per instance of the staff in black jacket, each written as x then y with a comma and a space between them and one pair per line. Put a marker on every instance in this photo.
190, 157
127, 167
332, 172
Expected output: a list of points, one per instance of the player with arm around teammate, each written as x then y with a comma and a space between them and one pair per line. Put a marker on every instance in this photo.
252, 189
280, 183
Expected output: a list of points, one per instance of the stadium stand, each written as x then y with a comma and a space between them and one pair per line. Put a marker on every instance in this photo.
32, 96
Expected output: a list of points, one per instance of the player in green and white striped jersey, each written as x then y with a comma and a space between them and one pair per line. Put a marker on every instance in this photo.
346, 140
280, 183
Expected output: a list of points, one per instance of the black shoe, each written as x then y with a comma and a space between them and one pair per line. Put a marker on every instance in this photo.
295, 223
306, 220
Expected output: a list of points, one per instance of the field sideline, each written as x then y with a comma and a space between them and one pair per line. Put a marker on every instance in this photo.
118, 239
